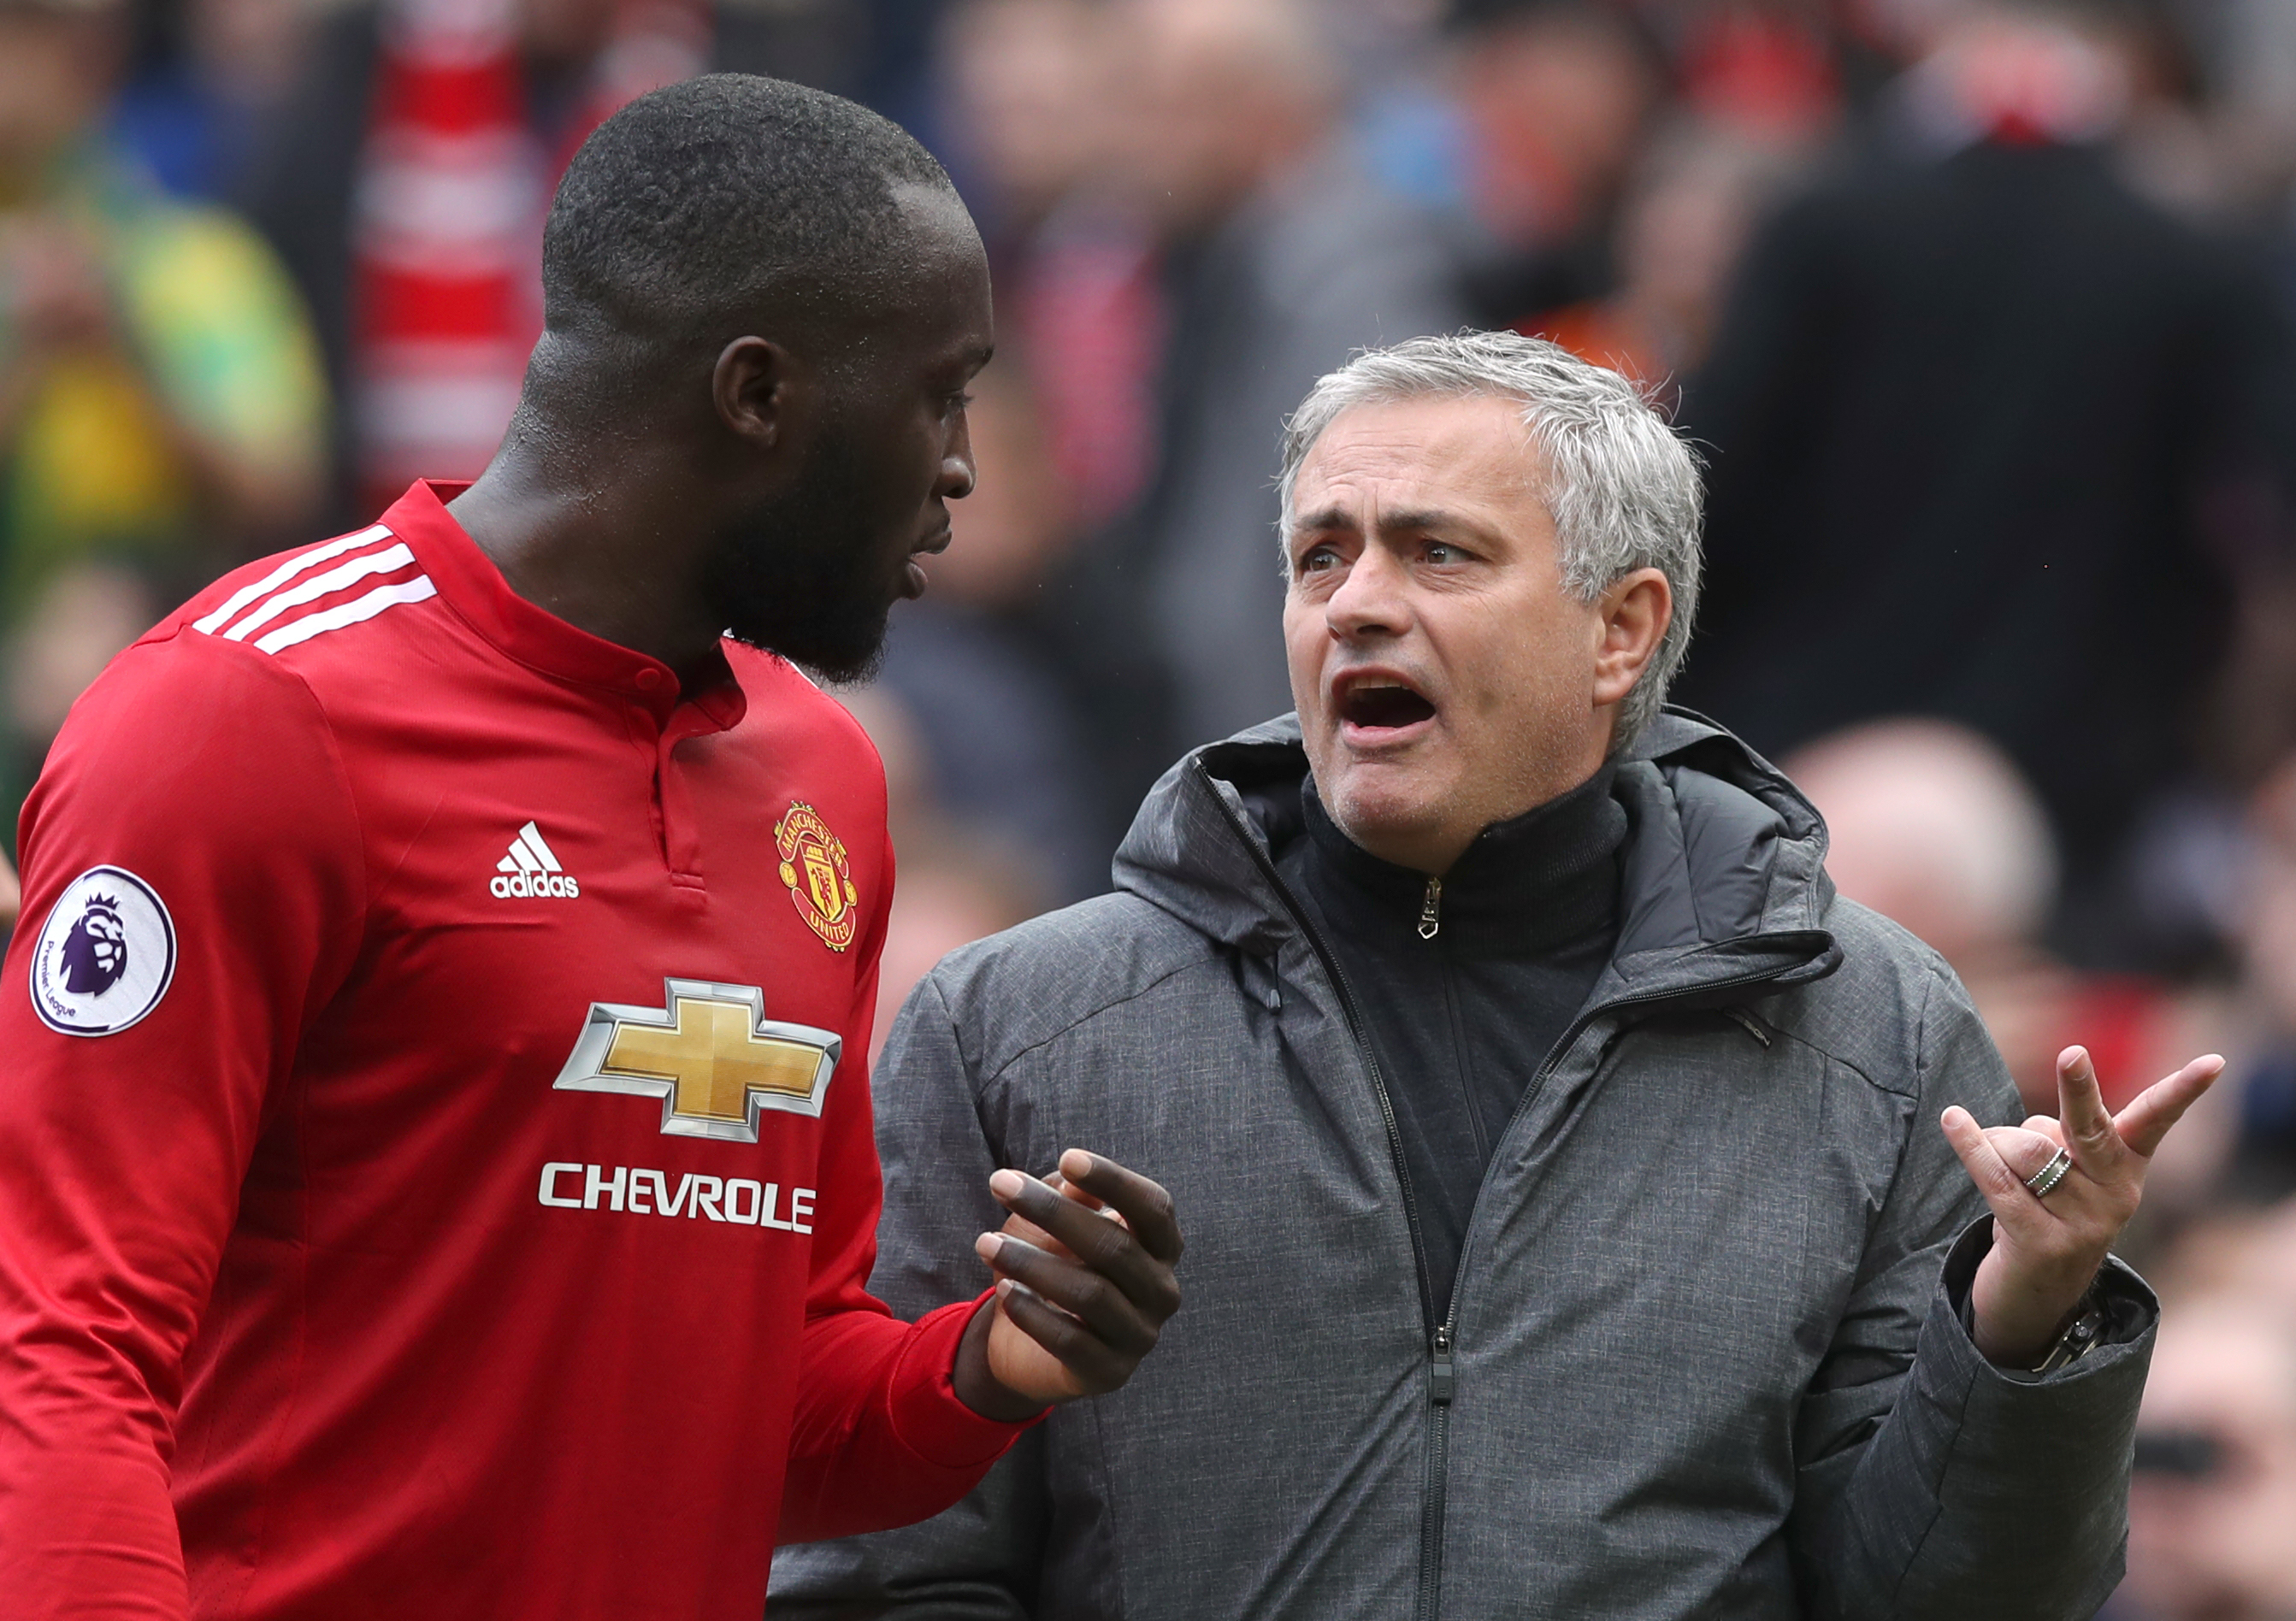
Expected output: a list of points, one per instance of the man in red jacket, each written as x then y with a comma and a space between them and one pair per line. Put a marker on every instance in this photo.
435, 1164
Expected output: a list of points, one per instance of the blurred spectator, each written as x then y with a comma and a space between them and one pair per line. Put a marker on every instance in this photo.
405, 184
998, 739
90, 609
1031, 89
1762, 68
87, 612
953, 888
1554, 96
1279, 256
957, 881
1699, 190
1930, 825
1972, 412
214, 70
2213, 1499
2254, 63
162, 411
1026, 85
2261, 1081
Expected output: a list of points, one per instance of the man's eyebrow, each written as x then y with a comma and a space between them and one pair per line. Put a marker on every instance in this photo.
1334, 520
1323, 522
1428, 518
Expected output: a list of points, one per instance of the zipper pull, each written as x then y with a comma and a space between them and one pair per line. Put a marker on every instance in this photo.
1440, 1382
1430, 910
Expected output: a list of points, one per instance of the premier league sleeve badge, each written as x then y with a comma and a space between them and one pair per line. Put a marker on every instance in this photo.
106, 955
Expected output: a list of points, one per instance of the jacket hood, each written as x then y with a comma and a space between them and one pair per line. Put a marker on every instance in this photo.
1723, 879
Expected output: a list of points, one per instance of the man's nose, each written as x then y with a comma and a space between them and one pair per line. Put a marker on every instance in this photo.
1373, 600
957, 471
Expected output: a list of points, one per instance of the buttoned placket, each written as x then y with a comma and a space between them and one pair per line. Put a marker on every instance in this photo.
663, 719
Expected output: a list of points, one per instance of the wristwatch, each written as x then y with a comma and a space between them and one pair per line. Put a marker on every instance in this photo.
2080, 1336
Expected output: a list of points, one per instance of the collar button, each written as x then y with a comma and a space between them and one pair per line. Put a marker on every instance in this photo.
648, 680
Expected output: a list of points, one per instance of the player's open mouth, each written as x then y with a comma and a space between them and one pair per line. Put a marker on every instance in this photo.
1377, 708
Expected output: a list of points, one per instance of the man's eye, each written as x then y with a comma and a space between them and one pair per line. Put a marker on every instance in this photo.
1438, 553
1317, 558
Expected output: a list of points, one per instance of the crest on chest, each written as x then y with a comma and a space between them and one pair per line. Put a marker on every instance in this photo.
815, 867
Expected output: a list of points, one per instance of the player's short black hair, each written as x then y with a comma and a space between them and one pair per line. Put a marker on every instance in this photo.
722, 196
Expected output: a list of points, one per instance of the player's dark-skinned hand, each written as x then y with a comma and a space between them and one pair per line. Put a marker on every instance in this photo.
1084, 1287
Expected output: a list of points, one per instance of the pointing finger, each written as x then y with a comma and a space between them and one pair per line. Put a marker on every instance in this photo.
2160, 1106
2089, 1136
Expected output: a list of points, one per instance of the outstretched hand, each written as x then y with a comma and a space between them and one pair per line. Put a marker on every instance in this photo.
2046, 1251
1084, 1287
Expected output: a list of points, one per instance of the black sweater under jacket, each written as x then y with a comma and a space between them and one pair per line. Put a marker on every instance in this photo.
1466, 983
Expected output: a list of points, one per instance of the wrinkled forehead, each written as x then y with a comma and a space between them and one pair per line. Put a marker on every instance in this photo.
1473, 452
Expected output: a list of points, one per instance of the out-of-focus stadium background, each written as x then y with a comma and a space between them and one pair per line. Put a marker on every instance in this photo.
1981, 312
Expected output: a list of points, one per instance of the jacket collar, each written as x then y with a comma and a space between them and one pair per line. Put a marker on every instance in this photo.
1723, 881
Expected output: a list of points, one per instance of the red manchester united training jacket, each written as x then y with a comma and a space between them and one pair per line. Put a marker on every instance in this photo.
435, 1163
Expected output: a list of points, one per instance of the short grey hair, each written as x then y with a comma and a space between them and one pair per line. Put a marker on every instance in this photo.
1622, 485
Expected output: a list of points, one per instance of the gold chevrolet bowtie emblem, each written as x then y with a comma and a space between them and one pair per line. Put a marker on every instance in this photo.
709, 1054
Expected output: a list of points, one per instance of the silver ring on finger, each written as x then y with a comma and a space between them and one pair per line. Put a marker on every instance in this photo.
2041, 1182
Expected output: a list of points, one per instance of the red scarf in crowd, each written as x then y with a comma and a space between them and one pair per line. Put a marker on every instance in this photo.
447, 253
2020, 81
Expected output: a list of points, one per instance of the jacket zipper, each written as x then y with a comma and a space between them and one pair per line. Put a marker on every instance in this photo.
1442, 1376
1442, 1384
1439, 1367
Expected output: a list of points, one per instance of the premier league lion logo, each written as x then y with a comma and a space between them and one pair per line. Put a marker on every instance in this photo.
96, 952
106, 955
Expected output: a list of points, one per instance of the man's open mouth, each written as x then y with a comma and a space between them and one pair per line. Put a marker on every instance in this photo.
1381, 706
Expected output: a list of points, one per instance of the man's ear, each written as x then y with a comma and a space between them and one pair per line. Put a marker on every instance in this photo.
1636, 610
763, 393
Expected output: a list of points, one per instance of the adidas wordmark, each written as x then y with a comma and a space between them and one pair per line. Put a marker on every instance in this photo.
530, 869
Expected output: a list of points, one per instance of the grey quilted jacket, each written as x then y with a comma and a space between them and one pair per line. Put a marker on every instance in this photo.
1706, 1356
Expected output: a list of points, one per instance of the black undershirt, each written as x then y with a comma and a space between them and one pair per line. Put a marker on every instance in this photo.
1461, 1022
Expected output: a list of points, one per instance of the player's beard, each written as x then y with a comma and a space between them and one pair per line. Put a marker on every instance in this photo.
802, 576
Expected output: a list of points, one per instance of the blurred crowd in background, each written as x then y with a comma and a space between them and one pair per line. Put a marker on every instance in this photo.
1982, 314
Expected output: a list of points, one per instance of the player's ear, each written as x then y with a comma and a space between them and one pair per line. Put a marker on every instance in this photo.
759, 389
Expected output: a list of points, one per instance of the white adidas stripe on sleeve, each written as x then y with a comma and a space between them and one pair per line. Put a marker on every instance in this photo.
386, 562
286, 571
357, 609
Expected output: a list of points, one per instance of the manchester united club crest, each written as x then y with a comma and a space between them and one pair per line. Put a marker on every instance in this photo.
820, 878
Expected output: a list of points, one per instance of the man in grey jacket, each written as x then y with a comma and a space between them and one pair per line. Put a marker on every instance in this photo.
1578, 1225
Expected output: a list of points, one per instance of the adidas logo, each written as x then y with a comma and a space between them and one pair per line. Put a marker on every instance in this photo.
530, 869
